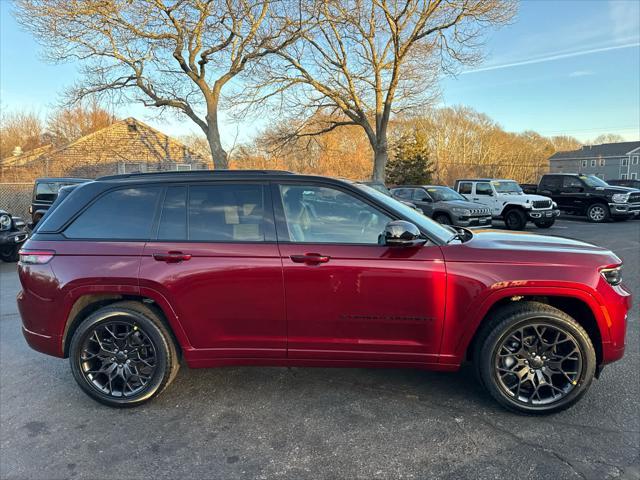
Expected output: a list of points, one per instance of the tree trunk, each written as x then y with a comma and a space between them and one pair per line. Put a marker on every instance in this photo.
380, 157
219, 155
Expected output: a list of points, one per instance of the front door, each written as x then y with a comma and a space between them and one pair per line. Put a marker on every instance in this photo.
216, 261
572, 197
347, 297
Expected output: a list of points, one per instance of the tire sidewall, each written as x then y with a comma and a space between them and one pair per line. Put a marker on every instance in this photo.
505, 328
520, 224
148, 327
443, 216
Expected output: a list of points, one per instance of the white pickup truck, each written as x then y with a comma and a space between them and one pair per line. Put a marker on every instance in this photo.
509, 203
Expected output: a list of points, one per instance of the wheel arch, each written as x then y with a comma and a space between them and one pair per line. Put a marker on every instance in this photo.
574, 305
512, 206
88, 303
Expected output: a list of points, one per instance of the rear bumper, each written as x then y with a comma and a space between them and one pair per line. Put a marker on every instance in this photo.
43, 336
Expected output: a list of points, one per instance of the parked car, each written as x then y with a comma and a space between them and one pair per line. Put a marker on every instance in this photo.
382, 188
589, 195
631, 183
12, 235
509, 203
45, 191
272, 268
445, 205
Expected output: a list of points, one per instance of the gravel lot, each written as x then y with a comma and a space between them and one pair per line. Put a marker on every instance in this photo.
300, 423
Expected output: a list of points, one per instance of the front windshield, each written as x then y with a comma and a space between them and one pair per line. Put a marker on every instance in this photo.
507, 187
593, 181
435, 229
444, 194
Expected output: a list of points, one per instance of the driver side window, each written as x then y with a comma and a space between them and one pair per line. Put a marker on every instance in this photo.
327, 215
483, 189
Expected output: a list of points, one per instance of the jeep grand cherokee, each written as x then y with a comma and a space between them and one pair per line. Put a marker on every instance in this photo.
128, 275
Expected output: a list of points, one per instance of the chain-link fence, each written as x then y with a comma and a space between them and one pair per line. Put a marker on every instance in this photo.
15, 198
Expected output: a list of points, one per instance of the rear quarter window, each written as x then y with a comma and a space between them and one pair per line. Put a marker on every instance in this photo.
125, 214
465, 188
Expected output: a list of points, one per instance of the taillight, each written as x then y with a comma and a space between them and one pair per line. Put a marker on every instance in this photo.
36, 257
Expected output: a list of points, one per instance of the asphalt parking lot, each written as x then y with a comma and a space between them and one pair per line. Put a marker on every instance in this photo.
321, 423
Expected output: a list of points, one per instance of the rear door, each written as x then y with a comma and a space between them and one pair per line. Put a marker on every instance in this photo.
347, 296
215, 258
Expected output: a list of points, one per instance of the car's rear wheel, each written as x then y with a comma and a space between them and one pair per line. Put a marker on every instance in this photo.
533, 358
123, 355
442, 218
598, 213
515, 219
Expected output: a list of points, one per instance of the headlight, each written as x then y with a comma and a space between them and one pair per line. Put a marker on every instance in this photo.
620, 197
461, 211
5, 222
613, 276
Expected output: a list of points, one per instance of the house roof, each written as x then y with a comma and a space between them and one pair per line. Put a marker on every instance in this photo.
128, 139
619, 149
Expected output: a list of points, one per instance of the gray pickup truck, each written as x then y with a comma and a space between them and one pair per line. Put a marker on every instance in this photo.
445, 205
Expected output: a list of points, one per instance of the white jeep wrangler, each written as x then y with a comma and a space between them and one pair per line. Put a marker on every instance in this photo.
509, 203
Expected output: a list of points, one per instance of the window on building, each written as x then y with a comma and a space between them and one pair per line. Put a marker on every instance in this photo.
623, 176
183, 167
593, 162
602, 162
634, 160
120, 214
625, 162
634, 176
584, 163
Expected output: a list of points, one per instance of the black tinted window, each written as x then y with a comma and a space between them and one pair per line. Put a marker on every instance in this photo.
465, 188
226, 213
572, 182
120, 214
551, 181
173, 219
483, 189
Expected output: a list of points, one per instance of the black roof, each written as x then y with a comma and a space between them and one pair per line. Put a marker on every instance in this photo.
62, 179
594, 151
180, 175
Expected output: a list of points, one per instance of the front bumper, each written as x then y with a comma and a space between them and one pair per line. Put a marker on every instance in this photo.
12, 238
472, 222
547, 214
624, 209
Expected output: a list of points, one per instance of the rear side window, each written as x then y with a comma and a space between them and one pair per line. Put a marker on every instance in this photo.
551, 181
125, 214
227, 213
465, 188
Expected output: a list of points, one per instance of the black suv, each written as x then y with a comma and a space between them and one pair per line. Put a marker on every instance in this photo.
589, 195
45, 192
12, 236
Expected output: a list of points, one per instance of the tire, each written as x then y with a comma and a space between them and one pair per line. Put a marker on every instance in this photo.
443, 218
546, 223
500, 335
515, 219
137, 327
10, 255
598, 213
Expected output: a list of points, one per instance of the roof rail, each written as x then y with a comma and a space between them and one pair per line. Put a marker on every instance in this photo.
196, 173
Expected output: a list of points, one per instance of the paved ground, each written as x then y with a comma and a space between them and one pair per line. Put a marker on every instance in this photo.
301, 423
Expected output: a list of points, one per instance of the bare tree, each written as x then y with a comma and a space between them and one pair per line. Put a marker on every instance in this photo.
362, 60
20, 132
68, 124
607, 138
175, 54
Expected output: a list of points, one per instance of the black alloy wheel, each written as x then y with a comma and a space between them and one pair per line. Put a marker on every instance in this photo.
123, 355
534, 358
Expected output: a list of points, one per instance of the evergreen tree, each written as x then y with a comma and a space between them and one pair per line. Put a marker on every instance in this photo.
410, 163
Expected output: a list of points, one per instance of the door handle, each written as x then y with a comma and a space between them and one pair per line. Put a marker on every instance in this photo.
310, 258
172, 257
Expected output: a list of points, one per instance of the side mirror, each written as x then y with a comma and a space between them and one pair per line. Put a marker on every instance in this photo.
400, 233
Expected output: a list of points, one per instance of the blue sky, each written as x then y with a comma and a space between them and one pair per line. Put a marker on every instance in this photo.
562, 67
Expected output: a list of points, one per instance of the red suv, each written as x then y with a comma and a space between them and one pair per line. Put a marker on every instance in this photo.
127, 275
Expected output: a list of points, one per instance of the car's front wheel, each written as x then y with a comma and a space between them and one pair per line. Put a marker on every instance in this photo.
10, 254
533, 358
123, 355
515, 219
598, 213
442, 218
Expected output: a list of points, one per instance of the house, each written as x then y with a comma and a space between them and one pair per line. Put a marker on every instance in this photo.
608, 161
125, 146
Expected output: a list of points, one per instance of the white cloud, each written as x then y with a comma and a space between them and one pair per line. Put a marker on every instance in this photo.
581, 73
